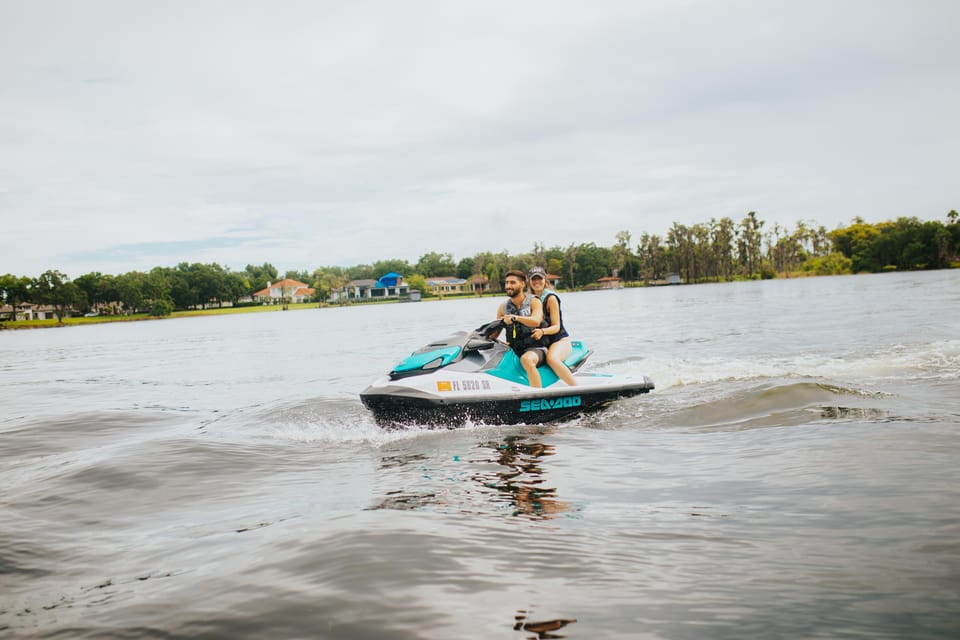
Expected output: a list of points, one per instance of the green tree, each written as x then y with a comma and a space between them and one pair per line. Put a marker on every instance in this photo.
652, 258
14, 291
813, 240
465, 268
953, 228
495, 268
785, 249
395, 265
417, 282
88, 284
554, 266
749, 244
259, 276
161, 307
570, 260
326, 280
56, 289
130, 288
833, 264
361, 272
178, 286
857, 243
722, 236
592, 263
623, 255
538, 257
236, 286
299, 276
212, 284
906, 243
494, 278
106, 292
208, 282
704, 264
436, 264
479, 264
680, 251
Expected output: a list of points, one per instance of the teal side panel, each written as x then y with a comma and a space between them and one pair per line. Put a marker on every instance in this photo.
511, 369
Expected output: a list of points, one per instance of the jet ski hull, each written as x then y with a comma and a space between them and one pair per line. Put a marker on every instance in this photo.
457, 399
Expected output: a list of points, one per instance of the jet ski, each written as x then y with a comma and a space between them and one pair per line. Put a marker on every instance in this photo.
473, 377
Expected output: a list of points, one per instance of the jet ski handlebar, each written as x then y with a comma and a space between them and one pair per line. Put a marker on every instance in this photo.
490, 329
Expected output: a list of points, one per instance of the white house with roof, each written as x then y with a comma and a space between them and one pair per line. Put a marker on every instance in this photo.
30, 311
291, 290
447, 284
390, 285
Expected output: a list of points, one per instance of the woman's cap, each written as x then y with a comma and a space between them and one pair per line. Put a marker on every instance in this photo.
537, 271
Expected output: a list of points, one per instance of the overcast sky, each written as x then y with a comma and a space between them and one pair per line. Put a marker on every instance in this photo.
142, 134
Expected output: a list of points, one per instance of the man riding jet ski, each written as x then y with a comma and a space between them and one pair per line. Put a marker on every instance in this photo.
469, 376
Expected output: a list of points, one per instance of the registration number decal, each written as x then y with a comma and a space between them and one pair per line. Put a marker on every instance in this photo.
463, 385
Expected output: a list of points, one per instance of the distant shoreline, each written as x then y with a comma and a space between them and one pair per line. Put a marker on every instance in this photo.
19, 325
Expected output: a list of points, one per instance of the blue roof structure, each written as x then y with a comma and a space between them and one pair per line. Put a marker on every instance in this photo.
391, 279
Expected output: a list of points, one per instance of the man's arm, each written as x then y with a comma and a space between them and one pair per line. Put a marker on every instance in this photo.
536, 314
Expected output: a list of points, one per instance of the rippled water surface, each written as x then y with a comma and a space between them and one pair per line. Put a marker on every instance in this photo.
796, 473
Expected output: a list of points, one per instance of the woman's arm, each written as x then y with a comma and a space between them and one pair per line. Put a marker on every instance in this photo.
554, 308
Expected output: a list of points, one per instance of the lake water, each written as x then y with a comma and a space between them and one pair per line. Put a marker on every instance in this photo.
796, 473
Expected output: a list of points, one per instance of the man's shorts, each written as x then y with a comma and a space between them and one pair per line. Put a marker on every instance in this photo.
541, 354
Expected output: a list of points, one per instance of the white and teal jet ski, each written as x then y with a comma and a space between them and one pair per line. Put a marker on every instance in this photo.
470, 377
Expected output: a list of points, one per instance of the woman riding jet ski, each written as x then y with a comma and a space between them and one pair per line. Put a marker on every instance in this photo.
469, 376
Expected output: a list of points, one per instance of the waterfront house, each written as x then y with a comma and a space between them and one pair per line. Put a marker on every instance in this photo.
287, 290
441, 285
30, 311
478, 284
390, 285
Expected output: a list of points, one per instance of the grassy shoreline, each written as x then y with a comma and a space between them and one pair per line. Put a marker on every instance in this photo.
75, 322
191, 313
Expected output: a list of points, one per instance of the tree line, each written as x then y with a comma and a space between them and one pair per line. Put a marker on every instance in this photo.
718, 250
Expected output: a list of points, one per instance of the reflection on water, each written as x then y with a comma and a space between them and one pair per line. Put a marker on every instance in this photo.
521, 482
542, 629
853, 413
401, 460
514, 476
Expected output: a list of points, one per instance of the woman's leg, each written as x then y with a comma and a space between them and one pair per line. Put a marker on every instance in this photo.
556, 354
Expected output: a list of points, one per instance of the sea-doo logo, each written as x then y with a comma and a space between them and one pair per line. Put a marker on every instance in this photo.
550, 403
